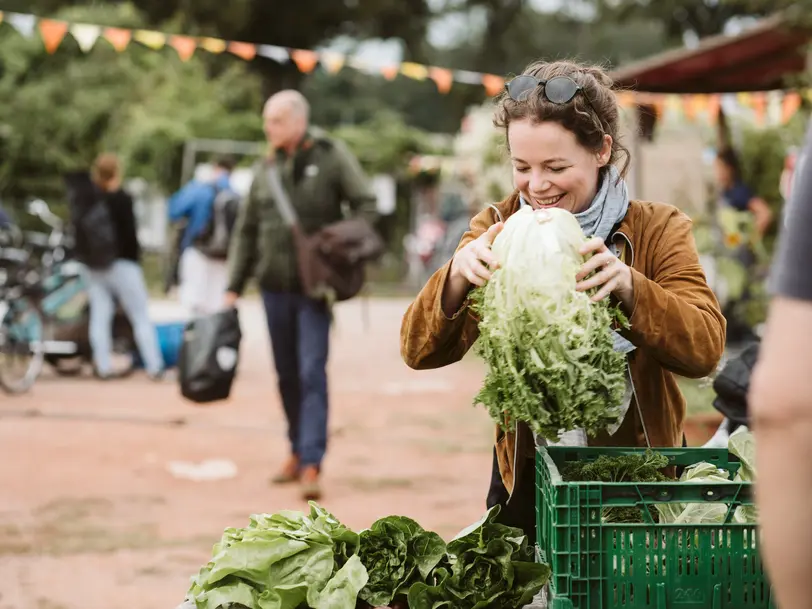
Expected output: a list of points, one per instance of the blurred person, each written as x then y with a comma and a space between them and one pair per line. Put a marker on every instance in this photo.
781, 407
736, 195
319, 175
203, 278
107, 244
5, 219
561, 122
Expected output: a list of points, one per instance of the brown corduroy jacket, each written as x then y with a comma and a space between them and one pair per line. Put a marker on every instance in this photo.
676, 325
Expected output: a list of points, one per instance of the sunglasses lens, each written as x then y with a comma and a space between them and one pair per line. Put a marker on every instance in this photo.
520, 87
560, 90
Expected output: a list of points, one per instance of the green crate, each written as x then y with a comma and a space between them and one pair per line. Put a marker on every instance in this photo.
632, 566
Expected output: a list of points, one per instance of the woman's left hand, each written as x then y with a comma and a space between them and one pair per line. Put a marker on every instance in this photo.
610, 274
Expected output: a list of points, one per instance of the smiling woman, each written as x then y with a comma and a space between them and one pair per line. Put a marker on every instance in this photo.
561, 124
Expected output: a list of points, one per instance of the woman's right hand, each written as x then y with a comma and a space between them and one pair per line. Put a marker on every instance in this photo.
475, 263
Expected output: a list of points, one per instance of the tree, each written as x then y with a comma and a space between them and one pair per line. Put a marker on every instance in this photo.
679, 17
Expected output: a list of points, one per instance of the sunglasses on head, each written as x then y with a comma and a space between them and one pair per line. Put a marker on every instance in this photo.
558, 89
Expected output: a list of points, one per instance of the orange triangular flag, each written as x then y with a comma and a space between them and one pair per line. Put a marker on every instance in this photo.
184, 45
243, 50
305, 60
714, 103
790, 105
625, 99
443, 78
390, 72
760, 107
493, 84
689, 107
118, 38
53, 33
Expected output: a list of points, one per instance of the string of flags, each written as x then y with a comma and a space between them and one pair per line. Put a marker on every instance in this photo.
772, 106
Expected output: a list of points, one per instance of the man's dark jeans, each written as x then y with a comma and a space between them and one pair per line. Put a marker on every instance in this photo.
300, 334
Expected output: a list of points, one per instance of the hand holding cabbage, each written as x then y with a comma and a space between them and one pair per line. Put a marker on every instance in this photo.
548, 347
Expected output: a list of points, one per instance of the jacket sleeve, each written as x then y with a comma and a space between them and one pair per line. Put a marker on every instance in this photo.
428, 337
676, 315
182, 202
354, 184
243, 249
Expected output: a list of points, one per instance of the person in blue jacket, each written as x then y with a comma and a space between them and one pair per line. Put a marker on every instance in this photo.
202, 279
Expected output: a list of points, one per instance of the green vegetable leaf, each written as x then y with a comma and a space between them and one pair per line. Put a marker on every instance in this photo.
397, 552
490, 567
343, 589
549, 349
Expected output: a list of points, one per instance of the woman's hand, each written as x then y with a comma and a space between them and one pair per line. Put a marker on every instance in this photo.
610, 274
475, 263
472, 265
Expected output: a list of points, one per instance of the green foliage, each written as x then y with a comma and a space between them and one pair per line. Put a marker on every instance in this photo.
385, 143
490, 565
622, 468
397, 552
61, 110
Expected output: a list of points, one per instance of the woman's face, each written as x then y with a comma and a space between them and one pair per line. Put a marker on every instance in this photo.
550, 167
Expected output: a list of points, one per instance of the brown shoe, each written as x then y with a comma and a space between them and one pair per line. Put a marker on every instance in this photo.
311, 490
289, 472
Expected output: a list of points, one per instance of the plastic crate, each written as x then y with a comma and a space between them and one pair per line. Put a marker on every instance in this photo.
598, 565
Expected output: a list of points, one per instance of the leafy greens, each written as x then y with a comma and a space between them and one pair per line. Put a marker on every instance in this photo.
397, 553
282, 561
548, 348
490, 566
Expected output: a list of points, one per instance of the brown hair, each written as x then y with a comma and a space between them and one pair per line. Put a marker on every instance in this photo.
591, 114
106, 169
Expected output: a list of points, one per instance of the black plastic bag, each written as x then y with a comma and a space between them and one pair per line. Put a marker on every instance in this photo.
209, 356
732, 385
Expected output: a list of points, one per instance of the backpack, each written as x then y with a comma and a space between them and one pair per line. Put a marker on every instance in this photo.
215, 238
98, 230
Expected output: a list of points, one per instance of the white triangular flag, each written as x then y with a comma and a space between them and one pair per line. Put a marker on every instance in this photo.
86, 35
278, 54
23, 23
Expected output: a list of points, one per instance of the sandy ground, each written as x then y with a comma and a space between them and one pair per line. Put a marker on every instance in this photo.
91, 516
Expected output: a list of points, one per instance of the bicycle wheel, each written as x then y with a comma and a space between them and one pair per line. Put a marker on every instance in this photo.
21, 345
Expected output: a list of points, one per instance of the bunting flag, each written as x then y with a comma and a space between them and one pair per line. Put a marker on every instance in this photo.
24, 24
119, 38
53, 33
493, 84
154, 40
333, 62
277, 54
85, 35
184, 45
772, 106
414, 71
213, 45
443, 78
390, 72
243, 50
305, 61
789, 106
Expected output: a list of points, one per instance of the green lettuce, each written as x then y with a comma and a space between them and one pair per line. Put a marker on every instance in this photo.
397, 552
549, 351
283, 561
490, 566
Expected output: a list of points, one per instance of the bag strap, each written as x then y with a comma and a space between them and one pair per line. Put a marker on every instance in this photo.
281, 197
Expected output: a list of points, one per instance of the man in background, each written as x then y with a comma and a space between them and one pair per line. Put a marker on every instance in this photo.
203, 276
781, 407
320, 176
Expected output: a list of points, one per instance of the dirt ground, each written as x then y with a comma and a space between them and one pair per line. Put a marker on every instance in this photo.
92, 518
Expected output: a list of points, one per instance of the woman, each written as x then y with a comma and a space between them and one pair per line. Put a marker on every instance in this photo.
562, 128
119, 280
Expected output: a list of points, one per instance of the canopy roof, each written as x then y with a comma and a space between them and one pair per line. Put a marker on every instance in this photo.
762, 58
